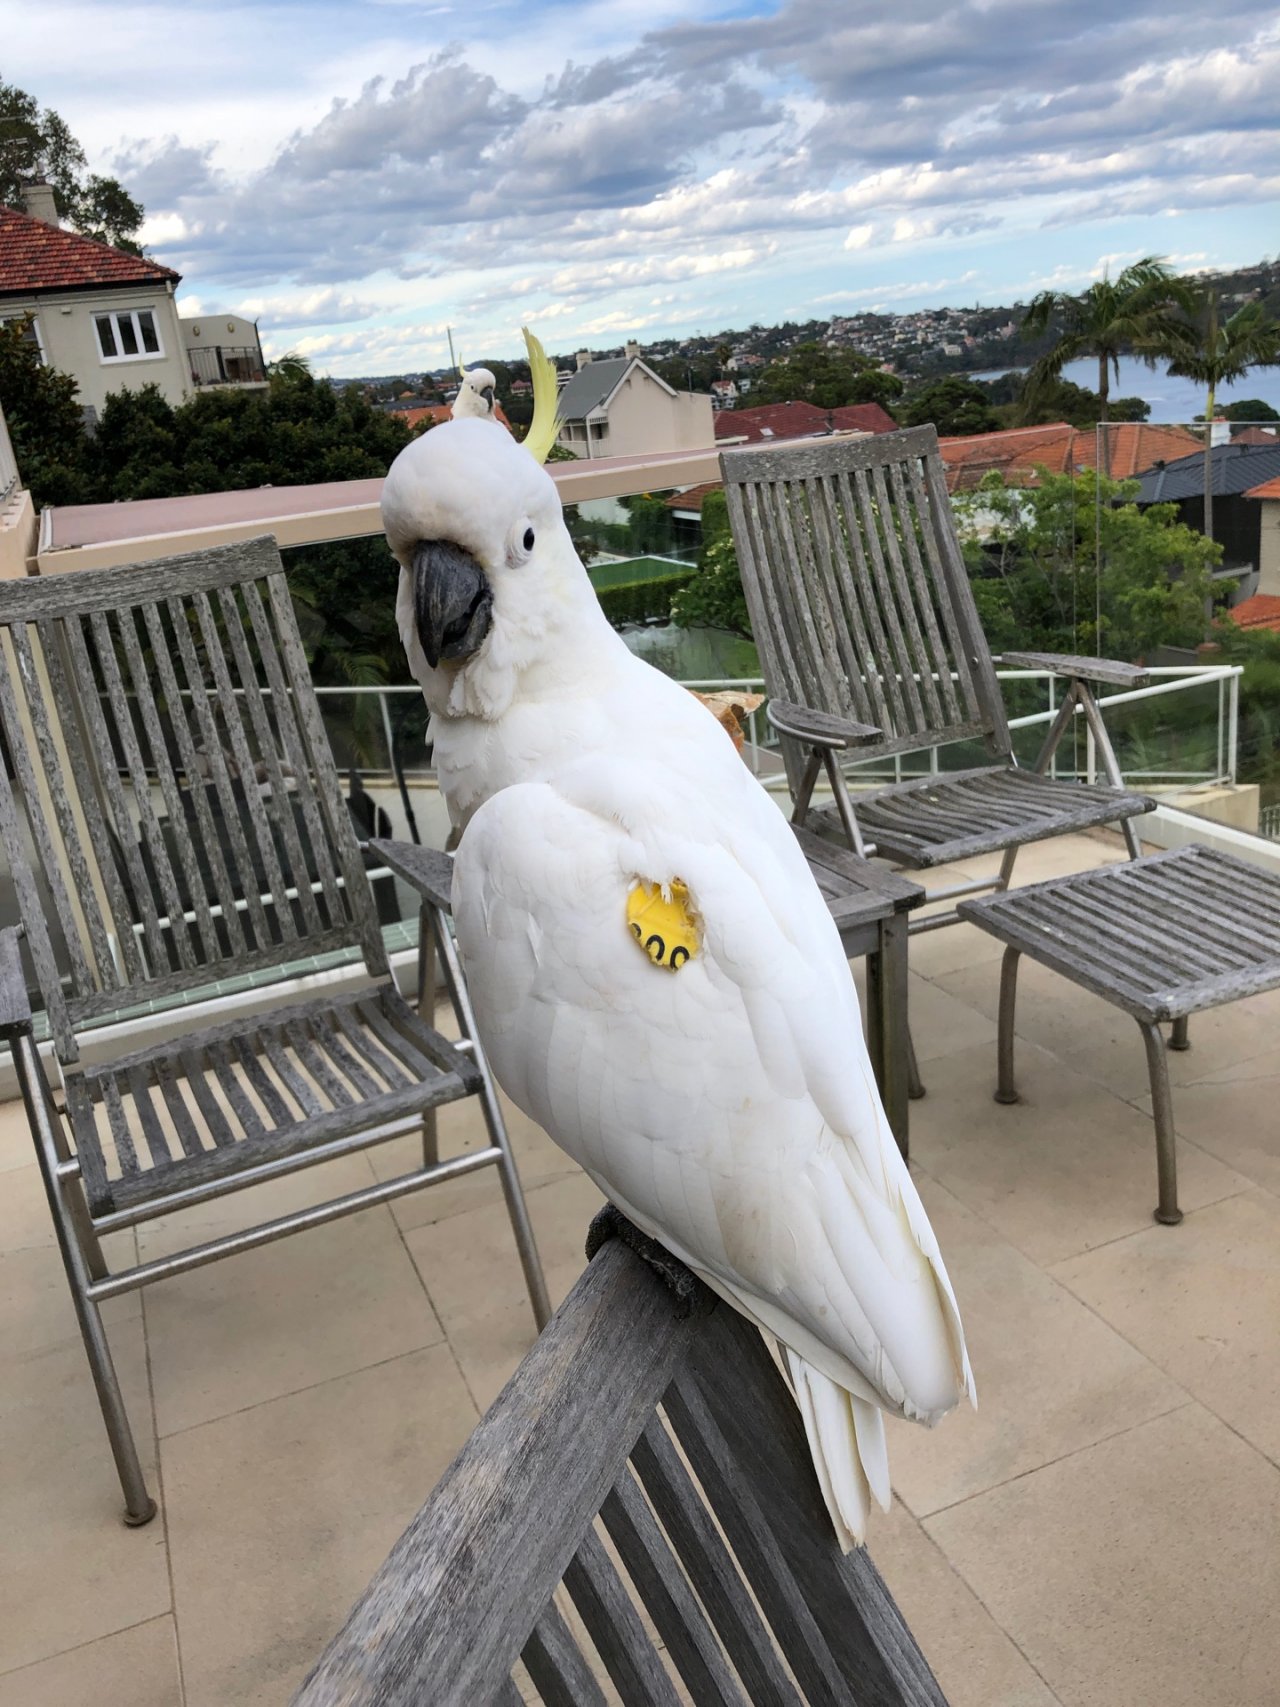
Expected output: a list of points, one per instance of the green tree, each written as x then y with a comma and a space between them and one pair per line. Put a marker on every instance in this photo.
1063, 400
955, 406
1137, 313
1249, 409
36, 145
832, 379
1073, 565
1216, 351
714, 597
44, 419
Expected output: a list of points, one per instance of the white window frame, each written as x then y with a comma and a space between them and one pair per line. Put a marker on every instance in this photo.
115, 316
29, 315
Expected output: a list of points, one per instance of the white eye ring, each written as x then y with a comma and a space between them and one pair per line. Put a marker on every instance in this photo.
521, 543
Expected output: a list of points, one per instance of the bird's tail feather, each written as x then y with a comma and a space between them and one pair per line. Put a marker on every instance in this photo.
846, 1439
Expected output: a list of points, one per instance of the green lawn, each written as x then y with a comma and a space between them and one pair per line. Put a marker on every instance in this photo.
633, 569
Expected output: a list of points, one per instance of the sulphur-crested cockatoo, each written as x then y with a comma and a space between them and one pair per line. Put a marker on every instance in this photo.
476, 393
656, 978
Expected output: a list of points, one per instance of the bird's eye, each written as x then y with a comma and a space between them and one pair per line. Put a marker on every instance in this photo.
527, 541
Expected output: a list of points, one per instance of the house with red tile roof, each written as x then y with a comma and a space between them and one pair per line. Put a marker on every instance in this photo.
109, 318
1133, 447
1262, 610
772, 422
1267, 497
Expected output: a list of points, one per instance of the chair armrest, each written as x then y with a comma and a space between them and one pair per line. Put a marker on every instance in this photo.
427, 870
15, 1004
1085, 669
819, 728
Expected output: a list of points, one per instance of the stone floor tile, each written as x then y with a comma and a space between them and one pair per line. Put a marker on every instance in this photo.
1145, 1569
472, 1272
133, 1668
36, 1311
461, 1128
1204, 1305
1069, 1167
16, 1147
973, 1660
285, 1316
70, 1571
279, 1515
1051, 1377
933, 954
259, 1203
941, 1024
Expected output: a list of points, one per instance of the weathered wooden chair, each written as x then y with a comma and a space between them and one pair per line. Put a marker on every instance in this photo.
647, 1429
870, 643
173, 820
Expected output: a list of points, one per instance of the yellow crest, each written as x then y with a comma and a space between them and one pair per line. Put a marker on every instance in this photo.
546, 400
665, 926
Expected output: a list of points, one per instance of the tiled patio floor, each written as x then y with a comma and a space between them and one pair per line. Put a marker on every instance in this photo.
1104, 1532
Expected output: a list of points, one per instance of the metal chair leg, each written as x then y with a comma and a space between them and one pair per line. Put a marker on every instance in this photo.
427, 1012
915, 1084
139, 1507
1006, 1086
888, 1034
1167, 1210
512, 1190
1178, 1038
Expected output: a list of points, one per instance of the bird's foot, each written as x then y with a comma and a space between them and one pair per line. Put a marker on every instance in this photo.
684, 1287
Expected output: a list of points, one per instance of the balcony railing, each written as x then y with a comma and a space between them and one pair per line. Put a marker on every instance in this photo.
8, 464
226, 364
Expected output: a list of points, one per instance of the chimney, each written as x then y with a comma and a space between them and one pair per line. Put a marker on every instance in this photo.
582, 358
38, 200
632, 351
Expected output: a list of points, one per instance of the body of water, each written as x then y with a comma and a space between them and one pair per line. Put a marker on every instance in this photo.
1170, 399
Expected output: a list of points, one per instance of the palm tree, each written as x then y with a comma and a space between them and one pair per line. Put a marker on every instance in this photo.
1216, 351
1135, 313
291, 367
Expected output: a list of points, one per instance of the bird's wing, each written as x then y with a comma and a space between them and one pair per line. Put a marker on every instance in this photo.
728, 1107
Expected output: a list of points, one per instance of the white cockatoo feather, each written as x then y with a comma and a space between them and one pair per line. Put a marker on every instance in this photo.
728, 1108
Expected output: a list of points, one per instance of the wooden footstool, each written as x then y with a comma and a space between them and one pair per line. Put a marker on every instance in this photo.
1161, 937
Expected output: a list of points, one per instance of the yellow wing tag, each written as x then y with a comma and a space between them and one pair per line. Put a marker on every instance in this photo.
666, 930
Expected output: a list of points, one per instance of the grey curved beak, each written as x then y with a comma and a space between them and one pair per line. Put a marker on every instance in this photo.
452, 601
487, 394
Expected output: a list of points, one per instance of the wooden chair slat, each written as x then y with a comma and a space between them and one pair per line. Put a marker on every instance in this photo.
616, 1629
219, 1127
83, 977
219, 1057
833, 567
297, 869
179, 1113
264, 842
264, 1086
359, 897
556, 1664
202, 942
157, 1143
283, 703
310, 1046
668, 1597
754, 1545
365, 1043
700, 1547
223, 888
950, 658
219, 776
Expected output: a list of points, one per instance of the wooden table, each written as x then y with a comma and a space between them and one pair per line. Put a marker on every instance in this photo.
1161, 937
869, 904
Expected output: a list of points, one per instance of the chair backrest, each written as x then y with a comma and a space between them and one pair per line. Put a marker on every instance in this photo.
637, 1506
858, 594
169, 805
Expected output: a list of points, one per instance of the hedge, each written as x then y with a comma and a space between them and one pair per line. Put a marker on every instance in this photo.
642, 600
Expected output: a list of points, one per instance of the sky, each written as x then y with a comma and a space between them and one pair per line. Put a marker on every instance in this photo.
361, 175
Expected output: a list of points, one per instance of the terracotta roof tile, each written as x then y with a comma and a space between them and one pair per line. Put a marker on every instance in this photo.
691, 498
37, 257
1260, 611
1268, 489
799, 421
1016, 453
